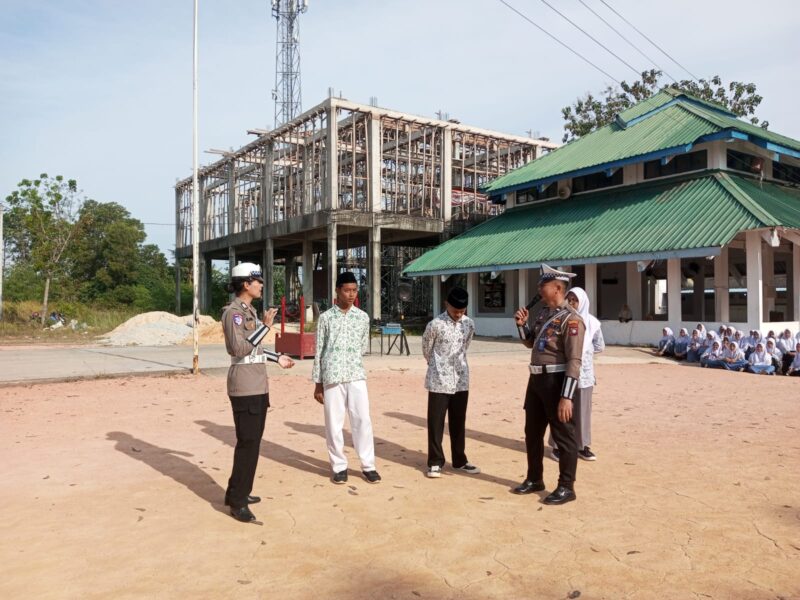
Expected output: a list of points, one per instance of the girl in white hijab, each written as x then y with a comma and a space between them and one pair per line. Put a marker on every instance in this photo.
711, 337
777, 356
760, 362
695, 348
666, 345
794, 366
786, 344
733, 357
682, 344
592, 343
713, 358
701, 330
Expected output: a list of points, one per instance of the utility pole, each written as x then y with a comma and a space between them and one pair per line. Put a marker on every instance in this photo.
195, 212
287, 94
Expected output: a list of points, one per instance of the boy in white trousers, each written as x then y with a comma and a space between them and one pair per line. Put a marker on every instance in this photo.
341, 381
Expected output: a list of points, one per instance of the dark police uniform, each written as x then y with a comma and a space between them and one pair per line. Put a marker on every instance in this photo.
557, 344
248, 390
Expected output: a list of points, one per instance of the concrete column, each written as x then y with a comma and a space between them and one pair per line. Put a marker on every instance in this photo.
308, 277
232, 263
446, 192
375, 165
674, 292
755, 284
330, 261
374, 272
590, 277
699, 291
633, 295
232, 228
523, 289
332, 160
204, 293
722, 295
289, 277
795, 282
472, 289
267, 201
436, 286
177, 286
768, 274
268, 260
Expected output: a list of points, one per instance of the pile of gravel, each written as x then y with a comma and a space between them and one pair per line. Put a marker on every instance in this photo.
155, 329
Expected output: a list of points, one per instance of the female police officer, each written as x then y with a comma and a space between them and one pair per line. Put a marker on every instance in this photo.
248, 385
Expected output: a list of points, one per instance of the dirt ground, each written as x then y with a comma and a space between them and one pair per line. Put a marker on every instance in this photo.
114, 489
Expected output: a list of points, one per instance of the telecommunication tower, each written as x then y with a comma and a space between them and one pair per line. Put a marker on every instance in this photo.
287, 94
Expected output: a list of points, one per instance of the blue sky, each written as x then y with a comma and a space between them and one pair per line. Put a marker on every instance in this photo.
101, 90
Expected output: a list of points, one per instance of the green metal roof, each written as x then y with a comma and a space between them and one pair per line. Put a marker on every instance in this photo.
667, 123
682, 216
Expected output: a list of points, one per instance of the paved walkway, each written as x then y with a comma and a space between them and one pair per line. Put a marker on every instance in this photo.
29, 364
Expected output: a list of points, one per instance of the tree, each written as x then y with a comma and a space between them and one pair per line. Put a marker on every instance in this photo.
590, 112
43, 225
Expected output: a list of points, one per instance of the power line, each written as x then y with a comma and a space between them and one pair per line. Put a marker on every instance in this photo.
550, 35
587, 34
664, 52
630, 43
164, 224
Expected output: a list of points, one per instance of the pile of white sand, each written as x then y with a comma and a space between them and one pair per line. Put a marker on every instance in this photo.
157, 329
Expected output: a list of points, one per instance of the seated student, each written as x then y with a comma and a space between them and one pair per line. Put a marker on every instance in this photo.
760, 363
711, 337
713, 358
681, 344
729, 331
733, 358
777, 355
740, 340
755, 337
625, 314
695, 348
721, 330
701, 331
666, 345
786, 344
794, 366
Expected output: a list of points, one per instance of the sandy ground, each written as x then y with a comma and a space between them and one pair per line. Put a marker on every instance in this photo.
113, 489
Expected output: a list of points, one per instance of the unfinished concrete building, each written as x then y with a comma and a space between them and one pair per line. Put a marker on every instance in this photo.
346, 185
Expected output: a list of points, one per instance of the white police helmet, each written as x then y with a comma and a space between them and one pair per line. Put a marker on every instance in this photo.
247, 271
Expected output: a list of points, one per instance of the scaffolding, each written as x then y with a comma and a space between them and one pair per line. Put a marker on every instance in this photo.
350, 181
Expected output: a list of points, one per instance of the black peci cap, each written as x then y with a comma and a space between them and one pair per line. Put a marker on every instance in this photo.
458, 298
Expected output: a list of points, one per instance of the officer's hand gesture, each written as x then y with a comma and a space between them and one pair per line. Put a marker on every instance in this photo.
521, 316
285, 362
319, 393
564, 410
269, 317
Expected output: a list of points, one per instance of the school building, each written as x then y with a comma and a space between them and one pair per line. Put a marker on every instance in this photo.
678, 210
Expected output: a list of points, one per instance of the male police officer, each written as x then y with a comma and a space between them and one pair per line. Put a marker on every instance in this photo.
557, 342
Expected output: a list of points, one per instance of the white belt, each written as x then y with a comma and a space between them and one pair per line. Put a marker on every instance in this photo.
250, 360
539, 369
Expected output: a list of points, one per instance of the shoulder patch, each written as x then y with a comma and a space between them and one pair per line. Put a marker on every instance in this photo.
573, 327
237, 318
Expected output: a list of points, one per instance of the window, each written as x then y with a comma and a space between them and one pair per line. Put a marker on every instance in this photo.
785, 172
682, 163
740, 161
595, 181
533, 194
491, 293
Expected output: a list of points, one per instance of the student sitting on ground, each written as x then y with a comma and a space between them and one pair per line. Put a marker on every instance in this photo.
760, 361
695, 348
740, 340
786, 344
777, 356
682, 344
713, 358
701, 331
794, 366
711, 337
733, 357
666, 345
